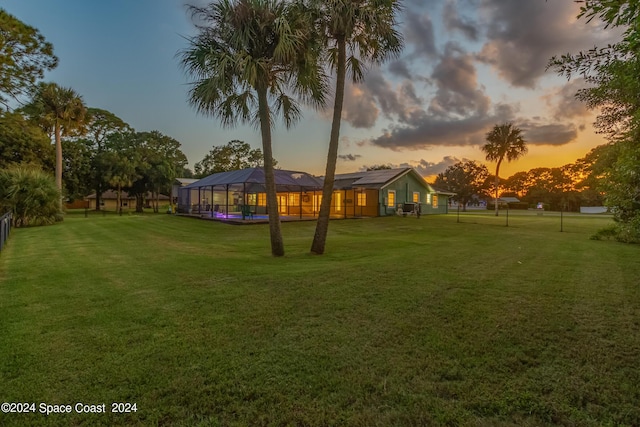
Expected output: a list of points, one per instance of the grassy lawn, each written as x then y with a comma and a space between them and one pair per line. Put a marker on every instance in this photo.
403, 322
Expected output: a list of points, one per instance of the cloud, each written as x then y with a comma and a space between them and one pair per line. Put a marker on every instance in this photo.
359, 109
400, 69
349, 157
418, 31
458, 90
564, 103
427, 168
453, 21
524, 35
541, 133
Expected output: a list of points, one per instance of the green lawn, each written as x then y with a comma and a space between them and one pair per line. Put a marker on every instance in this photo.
403, 322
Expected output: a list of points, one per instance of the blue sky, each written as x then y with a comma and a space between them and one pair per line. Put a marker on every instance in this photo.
467, 65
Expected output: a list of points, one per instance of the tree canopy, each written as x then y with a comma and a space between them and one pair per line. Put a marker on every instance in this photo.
234, 155
612, 72
24, 57
466, 179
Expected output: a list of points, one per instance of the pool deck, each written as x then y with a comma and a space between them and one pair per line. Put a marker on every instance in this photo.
236, 219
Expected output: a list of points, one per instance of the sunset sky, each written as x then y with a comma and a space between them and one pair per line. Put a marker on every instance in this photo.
467, 65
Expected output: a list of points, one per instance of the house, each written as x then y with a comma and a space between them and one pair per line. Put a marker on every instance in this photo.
177, 184
359, 194
109, 200
385, 192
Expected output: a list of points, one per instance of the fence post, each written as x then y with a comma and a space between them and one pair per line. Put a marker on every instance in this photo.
5, 228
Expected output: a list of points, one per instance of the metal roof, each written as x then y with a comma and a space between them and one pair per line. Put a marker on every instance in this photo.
369, 179
284, 178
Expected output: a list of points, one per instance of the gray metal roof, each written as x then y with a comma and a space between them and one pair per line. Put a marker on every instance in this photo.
369, 179
286, 179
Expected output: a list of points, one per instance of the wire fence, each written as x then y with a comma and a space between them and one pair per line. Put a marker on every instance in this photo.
5, 228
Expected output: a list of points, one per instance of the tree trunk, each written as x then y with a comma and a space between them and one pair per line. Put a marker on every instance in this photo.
277, 244
139, 202
119, 200
158, 200
98, 196
322, 225
58, 136
497, 183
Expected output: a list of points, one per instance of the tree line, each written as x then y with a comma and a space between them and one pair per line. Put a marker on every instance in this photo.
94, 150
560, 188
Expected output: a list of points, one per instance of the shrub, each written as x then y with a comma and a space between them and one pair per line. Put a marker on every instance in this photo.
31, 194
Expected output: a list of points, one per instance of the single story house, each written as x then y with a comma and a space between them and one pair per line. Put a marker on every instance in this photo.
385, 192
299, 194
109, 200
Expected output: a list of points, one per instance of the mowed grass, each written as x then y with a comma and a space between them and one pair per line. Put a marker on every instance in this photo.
402, 322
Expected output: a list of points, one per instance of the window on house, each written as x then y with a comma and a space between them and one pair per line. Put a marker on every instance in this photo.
435, 201
337, 198
416, 197
262, 199
294, 199
428, 199
391, 198
251, 199
362, 199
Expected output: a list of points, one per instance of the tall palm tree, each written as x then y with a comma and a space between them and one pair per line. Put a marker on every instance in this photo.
503, 141
60, 111
248, 53
355, 32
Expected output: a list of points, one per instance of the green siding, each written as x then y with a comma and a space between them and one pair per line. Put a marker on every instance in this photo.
404, 187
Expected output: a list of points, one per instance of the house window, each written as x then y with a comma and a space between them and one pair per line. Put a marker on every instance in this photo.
262, 199
416, 197
391, 198
435, 201
428, 199
338, 201
251, 199
294, 199
362, 199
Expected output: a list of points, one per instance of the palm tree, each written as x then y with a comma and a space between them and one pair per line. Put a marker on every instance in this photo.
248, 53
59, 110
354, 32
503, 140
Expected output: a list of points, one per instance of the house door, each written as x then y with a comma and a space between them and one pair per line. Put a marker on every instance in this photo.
282, 204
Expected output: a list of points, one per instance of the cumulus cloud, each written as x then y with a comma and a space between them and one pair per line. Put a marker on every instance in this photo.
349, 157
359, 109
427, 168
524, 35
458, 90
453, 21
564, 103
418, 32
537, 132
400, 69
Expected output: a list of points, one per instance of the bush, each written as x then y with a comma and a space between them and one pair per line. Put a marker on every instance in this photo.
31, 194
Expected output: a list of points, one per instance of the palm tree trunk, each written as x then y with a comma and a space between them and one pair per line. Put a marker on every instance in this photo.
497, 183
322, 226
58, 136
277, 244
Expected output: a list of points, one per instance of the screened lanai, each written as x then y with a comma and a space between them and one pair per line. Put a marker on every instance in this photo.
241, 193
